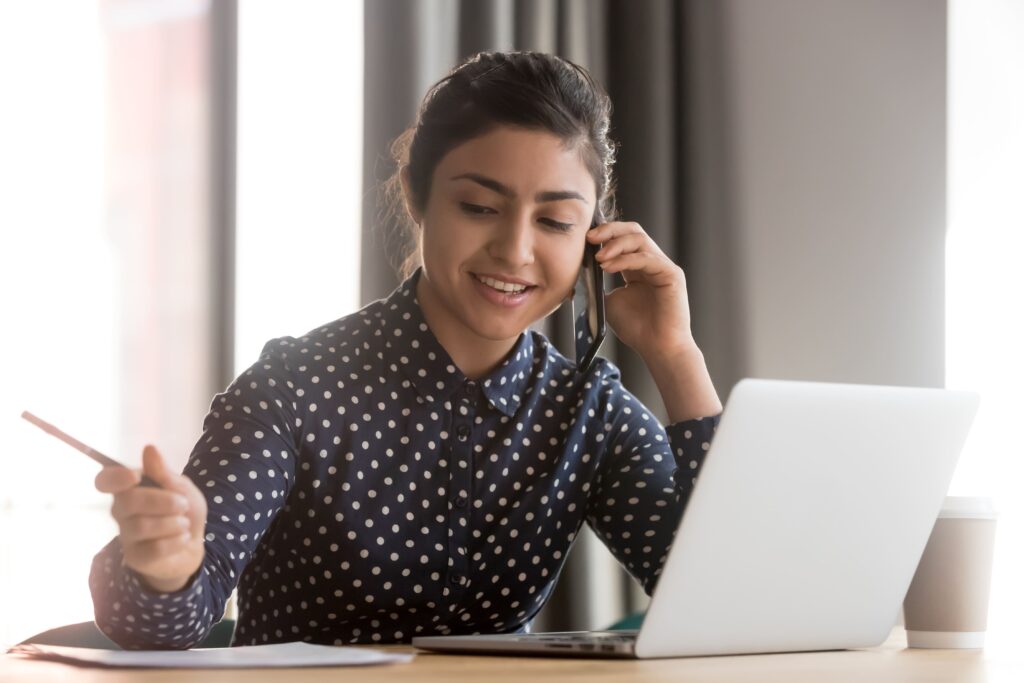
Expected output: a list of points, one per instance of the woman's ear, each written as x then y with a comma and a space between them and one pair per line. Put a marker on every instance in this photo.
410, 205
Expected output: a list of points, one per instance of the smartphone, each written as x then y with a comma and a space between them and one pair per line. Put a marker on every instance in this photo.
588, 307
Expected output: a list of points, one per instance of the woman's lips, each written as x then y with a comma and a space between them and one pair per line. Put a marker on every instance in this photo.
505, 299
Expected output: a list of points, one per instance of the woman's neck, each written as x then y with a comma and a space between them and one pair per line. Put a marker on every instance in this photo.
474, 355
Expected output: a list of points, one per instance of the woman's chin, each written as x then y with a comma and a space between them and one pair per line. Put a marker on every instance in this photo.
498, 332
497, 326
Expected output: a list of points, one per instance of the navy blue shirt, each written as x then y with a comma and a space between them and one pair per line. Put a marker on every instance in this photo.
361, 489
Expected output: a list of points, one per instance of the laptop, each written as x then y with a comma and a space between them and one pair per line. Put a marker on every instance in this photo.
803, 532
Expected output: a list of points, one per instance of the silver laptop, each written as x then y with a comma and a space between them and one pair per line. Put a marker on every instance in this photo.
803, 532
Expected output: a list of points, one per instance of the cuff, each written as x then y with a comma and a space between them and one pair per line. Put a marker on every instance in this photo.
690, 441
136, 617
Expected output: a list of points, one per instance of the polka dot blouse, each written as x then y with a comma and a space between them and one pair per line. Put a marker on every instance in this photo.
361, 489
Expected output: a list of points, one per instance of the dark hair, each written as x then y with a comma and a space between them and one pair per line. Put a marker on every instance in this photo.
531, 90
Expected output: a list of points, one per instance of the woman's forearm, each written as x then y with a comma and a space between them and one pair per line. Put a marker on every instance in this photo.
685, 384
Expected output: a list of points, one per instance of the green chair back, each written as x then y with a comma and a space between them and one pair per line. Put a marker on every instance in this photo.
630, 622
88, 634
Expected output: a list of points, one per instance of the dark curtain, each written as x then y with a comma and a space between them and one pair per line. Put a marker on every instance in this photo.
659, 61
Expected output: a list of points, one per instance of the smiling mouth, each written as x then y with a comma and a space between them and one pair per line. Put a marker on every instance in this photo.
503, 287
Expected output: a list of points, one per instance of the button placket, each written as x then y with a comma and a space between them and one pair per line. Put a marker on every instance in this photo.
461, 453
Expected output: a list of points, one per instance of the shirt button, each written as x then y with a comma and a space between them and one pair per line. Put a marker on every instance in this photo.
463, 432
457, 579
460, 502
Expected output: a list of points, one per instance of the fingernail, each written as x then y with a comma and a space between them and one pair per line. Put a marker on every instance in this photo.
186, 536
182, 522
181, 502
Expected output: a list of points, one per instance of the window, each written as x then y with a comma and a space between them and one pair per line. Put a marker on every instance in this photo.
985, 283
107, 256
105, 271
300, 147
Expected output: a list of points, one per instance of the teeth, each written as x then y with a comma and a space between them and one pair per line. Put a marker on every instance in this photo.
501, 286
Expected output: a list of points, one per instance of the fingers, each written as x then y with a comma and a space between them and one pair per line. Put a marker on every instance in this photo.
116, 479
657, 269
626, 248
148, 501
149, 527
607, 231
624, 244
643, 261
155, 467
145, 554
620, 240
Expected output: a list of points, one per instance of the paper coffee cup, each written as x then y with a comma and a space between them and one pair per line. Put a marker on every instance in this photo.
947, 603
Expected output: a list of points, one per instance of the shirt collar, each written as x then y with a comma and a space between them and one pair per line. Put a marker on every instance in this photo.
413, 348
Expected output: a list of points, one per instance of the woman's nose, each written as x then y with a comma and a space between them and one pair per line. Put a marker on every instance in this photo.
513, 242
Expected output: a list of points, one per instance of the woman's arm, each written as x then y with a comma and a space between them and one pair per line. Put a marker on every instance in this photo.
651, 315
644, 481
244, 464
685, 385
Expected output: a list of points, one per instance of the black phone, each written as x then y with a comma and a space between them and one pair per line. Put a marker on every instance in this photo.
588, 308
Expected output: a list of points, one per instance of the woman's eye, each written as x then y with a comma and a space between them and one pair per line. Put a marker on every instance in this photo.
562, 227
478, 210
475, 208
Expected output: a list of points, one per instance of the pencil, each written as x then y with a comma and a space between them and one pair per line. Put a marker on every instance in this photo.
102, 459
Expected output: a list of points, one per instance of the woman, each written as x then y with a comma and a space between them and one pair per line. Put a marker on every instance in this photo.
423, 465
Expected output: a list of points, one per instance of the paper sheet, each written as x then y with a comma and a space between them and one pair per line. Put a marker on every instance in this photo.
278, 655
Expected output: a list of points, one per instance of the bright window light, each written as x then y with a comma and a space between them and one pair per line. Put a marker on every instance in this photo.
985, 281
58, 275
300, 94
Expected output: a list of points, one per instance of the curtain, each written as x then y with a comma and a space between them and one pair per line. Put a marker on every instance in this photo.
658, 59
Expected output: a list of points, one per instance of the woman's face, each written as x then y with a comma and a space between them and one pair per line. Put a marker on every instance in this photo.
512, 206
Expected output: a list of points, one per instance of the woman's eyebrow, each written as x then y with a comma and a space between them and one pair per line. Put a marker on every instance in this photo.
506, 191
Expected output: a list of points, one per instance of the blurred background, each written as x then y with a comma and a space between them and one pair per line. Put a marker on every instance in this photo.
182, 180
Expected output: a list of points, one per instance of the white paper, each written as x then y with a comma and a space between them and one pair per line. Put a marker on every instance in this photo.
299, 654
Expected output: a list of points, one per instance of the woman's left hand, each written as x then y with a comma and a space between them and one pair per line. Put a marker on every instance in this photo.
651, 313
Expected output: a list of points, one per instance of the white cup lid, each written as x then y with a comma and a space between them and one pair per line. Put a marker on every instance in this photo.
970, 507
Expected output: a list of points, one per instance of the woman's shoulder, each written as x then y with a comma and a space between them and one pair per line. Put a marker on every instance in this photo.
601, 372
330, 339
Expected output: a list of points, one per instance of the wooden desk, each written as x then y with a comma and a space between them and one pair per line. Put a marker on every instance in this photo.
890, 662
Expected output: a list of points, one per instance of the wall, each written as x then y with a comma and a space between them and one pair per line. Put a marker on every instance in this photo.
820, 149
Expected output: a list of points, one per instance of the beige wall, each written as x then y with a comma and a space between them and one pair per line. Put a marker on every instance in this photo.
815, 153
830, 122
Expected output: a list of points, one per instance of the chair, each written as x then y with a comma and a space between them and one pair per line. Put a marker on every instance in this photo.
88, 634
630, 622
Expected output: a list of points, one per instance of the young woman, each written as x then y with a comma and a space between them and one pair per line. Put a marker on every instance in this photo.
423, 465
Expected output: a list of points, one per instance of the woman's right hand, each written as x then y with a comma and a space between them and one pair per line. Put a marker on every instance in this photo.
161, 529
